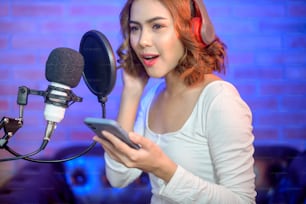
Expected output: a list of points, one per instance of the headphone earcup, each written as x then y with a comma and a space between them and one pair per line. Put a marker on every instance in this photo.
196, 23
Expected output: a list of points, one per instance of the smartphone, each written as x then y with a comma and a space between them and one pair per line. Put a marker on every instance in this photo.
112, 126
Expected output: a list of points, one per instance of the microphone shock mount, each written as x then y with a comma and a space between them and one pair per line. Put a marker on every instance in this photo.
12, 125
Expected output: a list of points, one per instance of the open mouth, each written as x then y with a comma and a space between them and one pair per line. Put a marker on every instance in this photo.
149, 60
150, 57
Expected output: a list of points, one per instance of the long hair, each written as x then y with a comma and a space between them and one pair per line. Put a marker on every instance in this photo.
198, 60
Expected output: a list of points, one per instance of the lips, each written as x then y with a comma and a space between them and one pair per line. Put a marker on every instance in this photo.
149, 59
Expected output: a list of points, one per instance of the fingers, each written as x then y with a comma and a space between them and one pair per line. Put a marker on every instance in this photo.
116, 142
120, 151
140, 140
108, 148
106, 145
98, 139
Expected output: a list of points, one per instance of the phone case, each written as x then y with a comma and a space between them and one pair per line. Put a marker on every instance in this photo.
112, 126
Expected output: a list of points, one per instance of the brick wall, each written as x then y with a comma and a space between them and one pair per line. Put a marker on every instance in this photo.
266, 42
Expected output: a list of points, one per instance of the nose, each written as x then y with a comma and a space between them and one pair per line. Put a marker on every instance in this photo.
145, 39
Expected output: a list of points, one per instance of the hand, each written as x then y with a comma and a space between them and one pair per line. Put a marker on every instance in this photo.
134, 84
149, 158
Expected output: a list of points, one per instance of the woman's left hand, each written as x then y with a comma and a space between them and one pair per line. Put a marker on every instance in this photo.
149, 158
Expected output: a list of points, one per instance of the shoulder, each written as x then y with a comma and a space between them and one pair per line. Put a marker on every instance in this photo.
218, 90
223, 96
220, 87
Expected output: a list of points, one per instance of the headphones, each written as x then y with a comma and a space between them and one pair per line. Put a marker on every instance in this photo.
201, 25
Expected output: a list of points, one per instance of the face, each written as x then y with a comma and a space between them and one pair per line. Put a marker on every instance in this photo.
153, 37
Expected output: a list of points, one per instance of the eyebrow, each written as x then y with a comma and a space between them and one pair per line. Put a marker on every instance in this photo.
149, 20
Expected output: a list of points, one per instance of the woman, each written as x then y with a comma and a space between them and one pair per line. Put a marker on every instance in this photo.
194, 130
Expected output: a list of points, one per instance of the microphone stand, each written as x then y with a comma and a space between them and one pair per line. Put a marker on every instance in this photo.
102, 100
12, 125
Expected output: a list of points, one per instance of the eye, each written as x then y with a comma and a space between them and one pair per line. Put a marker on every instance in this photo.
157, 26
134, 28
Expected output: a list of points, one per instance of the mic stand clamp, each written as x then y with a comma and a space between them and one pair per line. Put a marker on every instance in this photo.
11, 126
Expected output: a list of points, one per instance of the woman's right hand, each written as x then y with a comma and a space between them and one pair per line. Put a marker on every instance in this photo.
134, 85
149, 158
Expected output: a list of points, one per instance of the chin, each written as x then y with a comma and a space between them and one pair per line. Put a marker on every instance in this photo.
155, 74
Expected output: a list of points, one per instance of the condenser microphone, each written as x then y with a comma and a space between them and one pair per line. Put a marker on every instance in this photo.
64, 69
100, 64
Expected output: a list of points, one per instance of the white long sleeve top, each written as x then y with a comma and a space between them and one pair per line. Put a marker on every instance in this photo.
213, 151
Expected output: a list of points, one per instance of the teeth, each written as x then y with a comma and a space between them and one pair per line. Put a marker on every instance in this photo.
149, 57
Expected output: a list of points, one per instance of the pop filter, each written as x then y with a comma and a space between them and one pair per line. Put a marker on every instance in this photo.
100, 65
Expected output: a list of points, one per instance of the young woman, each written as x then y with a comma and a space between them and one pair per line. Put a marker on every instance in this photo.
194, 130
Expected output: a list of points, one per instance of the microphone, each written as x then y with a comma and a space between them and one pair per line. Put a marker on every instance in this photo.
64, 69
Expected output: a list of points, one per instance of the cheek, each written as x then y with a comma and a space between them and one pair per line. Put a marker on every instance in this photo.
173, 47
171, 41
133, 42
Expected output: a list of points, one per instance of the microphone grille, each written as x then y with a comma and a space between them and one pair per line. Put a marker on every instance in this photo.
64, 66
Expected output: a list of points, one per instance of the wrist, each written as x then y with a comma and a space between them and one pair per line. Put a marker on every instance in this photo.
132, 92
128, 109
166, 171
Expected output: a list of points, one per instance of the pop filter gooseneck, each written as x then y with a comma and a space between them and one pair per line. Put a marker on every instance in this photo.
100, 65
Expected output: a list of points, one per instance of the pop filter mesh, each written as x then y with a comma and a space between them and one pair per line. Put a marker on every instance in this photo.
100, 67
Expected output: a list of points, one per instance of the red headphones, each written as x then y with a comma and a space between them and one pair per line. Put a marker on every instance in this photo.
196, 23
204, 34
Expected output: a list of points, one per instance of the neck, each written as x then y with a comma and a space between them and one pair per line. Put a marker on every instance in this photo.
174, 85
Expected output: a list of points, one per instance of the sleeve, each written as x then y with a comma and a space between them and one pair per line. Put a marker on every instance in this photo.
230, 141
117, 174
